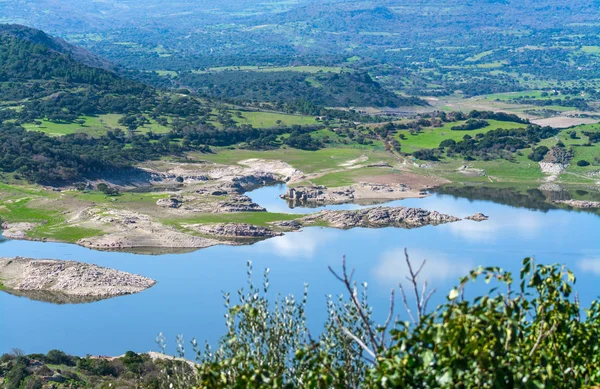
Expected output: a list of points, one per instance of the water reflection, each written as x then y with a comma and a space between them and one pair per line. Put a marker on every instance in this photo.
439, 266
591, 265
537, 198
187, 298
298, 245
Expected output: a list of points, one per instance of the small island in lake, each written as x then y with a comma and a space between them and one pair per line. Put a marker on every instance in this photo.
66, 282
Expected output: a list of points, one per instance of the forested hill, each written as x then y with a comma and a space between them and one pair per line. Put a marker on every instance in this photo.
56, 45
27, 54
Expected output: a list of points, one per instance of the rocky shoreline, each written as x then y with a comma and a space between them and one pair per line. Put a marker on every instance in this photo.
321, 195
67, 282
580, 204
234, 230
378, 217
189, 193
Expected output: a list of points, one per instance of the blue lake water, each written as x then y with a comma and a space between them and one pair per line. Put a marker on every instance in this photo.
187, 298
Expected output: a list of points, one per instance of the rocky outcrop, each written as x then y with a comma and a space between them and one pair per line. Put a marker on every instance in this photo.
581, 204
16, 230
559, 155
289, 225
478, 217
556, 161
73, 281
254, 180
553, 169
170, 202
380, 217
235, 230
133, 230
238, 204
362, 191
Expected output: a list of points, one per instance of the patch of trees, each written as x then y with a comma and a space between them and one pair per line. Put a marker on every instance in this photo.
500, 116
304, 91
538, 153
302, 141
471, 124
196, 135
49, 160
497, 143
576, 102
593, 137
427, 154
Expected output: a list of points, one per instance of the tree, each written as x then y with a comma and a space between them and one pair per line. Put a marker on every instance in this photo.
57, 357
538, 153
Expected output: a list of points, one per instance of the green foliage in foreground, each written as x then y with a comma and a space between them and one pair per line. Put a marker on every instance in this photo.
534, 337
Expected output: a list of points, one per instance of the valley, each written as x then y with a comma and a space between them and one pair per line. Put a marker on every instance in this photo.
156, 159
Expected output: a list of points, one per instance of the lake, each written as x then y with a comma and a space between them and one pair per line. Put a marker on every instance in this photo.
187, 298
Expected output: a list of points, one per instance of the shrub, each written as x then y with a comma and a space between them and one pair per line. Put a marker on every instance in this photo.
132, 361
16, 376
583, 162
471, 124
538, 153
447, 143
57, 357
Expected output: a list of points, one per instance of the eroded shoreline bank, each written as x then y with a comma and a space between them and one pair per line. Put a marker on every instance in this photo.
199, 205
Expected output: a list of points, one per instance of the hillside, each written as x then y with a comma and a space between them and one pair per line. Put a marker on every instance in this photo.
54, 45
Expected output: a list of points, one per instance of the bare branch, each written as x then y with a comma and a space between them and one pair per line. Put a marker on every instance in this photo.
543, 335
360, 342
347, 281
421, 268
388, 320
406, 306
413, 280
426, 300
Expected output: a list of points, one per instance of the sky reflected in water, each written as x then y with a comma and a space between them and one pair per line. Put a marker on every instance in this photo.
187, 298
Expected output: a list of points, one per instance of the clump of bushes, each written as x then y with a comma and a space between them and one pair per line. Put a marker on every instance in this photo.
538, 153
582, 163
471, 124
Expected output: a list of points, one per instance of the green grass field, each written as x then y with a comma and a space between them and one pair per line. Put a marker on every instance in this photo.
349, 177
479, 56
92, 125
580, 151
513, 95
270, 119
306, 161
256, 218
62, 233
432, 137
